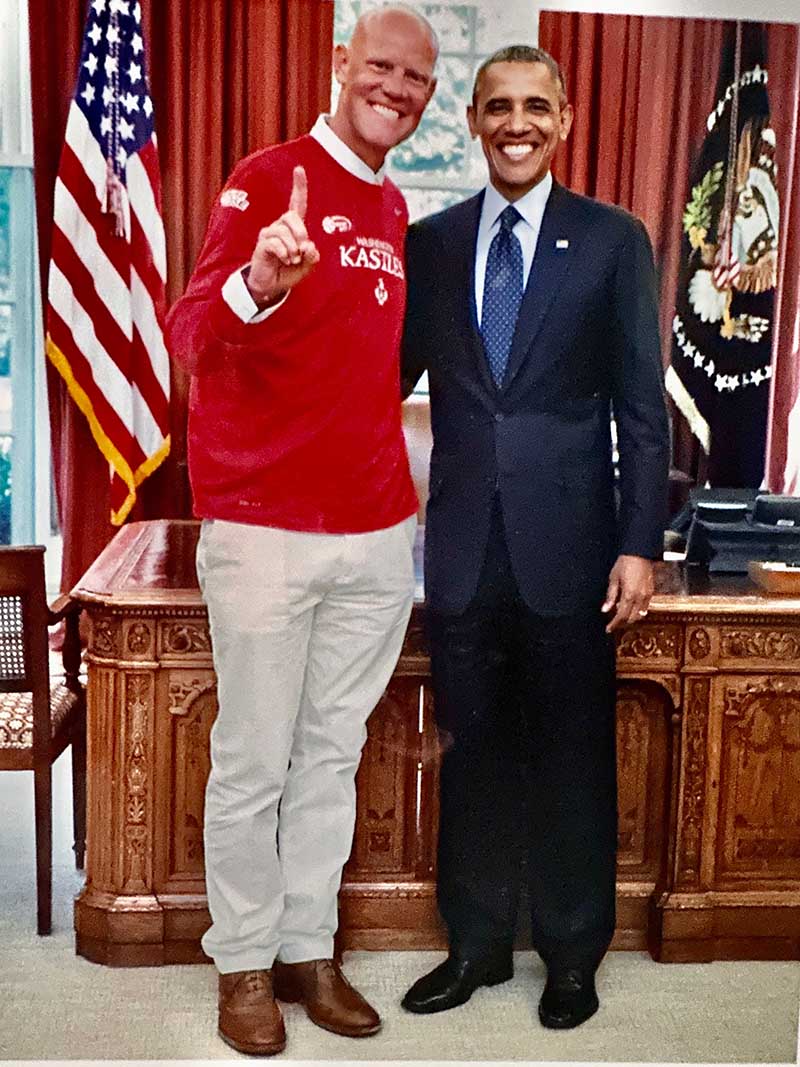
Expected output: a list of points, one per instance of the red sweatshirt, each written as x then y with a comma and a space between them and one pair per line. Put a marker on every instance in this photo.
294, 421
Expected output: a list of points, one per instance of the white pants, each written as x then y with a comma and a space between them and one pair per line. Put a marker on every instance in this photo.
306, 630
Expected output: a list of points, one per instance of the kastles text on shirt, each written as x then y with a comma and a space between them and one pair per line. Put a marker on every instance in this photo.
372, 254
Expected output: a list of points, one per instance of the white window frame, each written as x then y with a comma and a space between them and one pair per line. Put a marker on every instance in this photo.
28, 376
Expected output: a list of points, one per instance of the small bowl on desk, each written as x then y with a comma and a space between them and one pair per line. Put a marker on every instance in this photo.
775, 576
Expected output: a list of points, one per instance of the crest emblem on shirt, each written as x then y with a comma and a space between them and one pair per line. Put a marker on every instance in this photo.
381, 292
235, 198
336, 224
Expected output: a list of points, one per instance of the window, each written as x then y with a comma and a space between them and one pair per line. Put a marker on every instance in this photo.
25, 478
18, 311
440, 164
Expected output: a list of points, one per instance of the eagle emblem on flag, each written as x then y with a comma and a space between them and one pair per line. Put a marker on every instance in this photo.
742, 257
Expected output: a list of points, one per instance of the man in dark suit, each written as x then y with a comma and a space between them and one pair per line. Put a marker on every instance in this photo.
533, 311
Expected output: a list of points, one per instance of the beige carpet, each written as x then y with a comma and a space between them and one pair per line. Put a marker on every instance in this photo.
56, 1006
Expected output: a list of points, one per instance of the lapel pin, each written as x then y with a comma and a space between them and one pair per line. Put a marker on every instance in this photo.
562, 242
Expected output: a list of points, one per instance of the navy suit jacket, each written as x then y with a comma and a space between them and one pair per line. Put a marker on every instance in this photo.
586, 343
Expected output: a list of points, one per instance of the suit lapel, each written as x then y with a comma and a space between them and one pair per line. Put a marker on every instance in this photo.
555, 250
462, 236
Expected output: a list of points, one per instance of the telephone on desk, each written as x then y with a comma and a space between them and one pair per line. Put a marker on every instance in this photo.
730, 529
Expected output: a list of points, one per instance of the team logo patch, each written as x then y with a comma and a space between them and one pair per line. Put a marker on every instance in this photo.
381, 292
235, 198
336, 224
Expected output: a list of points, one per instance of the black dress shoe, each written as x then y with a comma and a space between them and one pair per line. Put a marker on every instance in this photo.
454, 981
569, 999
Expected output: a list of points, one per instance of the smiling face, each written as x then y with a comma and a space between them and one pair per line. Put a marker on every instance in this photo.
521, 118
386, 75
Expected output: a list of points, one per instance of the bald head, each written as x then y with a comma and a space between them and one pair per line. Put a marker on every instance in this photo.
395, 12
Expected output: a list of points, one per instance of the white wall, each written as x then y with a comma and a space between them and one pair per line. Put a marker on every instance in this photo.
517, 20
755, 10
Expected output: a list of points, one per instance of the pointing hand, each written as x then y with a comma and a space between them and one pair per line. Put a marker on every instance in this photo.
284, 254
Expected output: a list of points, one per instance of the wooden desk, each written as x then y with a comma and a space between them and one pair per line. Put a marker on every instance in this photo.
709, 771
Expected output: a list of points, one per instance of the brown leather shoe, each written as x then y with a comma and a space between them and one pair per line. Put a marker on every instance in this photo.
329, 999
249, 1019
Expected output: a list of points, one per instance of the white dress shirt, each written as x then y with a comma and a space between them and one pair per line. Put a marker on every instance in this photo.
531, 207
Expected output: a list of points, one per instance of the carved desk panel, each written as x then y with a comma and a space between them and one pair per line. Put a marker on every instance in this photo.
708, 757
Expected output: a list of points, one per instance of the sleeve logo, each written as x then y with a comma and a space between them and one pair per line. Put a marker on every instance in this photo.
235, 198
336, 224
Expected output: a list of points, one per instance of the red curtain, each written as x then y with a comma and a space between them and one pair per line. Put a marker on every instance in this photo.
642, 88
783, 444
226, 77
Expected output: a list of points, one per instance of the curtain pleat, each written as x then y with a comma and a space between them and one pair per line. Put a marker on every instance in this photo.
783, 441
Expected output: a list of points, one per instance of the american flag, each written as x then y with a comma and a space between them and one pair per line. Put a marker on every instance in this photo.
106, 297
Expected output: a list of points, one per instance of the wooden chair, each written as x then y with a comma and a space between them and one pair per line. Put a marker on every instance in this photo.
39, 719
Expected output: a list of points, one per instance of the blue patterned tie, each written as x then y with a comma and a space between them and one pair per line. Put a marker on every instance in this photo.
502, 294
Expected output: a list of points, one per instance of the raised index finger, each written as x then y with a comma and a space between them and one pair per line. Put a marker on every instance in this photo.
298, 201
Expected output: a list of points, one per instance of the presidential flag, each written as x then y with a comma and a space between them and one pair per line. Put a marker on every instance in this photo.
723, 323
106, 297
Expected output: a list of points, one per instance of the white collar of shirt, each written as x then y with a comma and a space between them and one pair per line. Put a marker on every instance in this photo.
344, 156
531, 207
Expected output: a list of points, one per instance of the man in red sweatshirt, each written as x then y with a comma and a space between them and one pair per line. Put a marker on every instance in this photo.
290, 327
